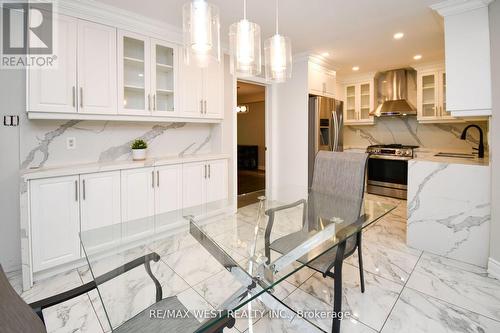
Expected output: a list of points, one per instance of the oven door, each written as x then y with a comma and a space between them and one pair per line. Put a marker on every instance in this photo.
388, 175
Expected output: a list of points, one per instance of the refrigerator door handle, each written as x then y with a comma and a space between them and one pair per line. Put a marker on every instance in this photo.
336, 130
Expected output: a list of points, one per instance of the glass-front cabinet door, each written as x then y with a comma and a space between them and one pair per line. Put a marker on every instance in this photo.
429, 107
365, 101
163, 77
350, 103
133, 74
444, 112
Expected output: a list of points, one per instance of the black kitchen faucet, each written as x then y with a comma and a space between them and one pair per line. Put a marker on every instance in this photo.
480, 149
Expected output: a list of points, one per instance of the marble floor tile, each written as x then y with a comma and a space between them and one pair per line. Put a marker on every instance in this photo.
299, 300
75, 315
194, 303
130, 293
52, 286
277, 325
385, 261
16, 280
418, 313
389, 234
173, 243
457, 283
217, 288
371, 307
194, 264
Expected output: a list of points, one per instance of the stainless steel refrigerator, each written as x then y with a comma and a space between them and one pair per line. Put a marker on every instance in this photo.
325, 127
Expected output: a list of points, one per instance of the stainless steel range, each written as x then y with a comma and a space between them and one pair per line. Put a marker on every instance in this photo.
388, 170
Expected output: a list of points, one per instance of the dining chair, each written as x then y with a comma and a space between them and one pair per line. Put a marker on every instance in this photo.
336, 174
16, 316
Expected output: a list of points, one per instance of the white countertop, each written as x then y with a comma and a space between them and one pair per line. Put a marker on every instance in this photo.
429, 156
75, 169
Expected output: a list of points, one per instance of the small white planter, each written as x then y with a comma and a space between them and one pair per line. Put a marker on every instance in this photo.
138, 154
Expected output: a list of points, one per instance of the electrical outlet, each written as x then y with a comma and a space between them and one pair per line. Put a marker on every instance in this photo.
70, 143
358, 132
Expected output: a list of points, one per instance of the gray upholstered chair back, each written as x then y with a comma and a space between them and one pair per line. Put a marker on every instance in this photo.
340, 173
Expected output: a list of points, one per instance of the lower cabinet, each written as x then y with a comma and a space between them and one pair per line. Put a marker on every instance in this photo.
62, 207
55, 221
204, 182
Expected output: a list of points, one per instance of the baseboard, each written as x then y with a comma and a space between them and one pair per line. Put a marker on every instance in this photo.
494, 268
261, 168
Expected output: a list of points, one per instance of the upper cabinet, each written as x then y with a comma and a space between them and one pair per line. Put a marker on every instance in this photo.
358, 102
322, 81
84, 77
147, 74
431, 97
202, 91
467, 44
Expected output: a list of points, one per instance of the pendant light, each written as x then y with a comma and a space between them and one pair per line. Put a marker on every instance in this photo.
244, 40
278, 56
201, 27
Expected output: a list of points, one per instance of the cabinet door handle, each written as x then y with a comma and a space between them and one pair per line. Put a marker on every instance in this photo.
201, 106
205, 176
152, 179
81, 97
154, 102
76, 190
157, 178
209, 171
149, 102
74, 96
83, 189
205, 106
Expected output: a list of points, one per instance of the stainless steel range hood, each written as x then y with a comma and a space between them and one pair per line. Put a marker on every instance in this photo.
392, 89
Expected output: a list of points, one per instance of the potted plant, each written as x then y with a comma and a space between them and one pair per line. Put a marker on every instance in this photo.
139, 150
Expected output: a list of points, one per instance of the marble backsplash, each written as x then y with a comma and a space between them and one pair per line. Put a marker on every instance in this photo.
43, 142
409, 132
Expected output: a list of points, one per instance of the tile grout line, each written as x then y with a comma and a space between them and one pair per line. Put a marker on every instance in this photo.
402, 289
90, 300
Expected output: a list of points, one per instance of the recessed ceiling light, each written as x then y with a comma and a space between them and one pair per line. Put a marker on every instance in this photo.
398, 35
417, 57
325, 54
355, 68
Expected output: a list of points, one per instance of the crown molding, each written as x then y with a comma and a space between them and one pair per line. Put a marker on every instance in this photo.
117, 17
315, 59
454, 7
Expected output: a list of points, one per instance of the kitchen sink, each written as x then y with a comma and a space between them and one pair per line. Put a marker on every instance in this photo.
455, 155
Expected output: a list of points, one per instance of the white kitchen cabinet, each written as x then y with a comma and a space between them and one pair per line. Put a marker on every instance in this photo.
100, 200
468, 66
204, 182
147, 75
96, 68
216, 188
137, 193
321, 81
202, 91
359, 101
54, 90
194, 177
163, 78
55, 223
84, 77
134, 96
431, 97
168, 188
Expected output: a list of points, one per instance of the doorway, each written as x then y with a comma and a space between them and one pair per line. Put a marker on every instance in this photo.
251, 140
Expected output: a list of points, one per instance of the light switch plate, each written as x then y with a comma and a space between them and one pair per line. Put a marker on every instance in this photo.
70, 143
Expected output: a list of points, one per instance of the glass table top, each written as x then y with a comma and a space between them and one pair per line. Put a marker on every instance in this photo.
258, 246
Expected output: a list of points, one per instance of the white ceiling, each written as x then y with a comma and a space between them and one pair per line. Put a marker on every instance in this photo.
355, 33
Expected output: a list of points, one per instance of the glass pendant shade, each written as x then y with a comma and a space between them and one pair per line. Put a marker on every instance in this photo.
244, 40
278, 58
201, 27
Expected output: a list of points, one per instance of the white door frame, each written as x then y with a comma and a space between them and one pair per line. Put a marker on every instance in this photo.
270, 94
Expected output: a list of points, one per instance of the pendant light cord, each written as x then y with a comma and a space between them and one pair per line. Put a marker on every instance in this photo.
244, 9
276, 17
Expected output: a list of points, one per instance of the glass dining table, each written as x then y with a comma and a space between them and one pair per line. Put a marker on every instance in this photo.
149, 273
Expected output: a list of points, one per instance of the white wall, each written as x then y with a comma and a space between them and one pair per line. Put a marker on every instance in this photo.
494, 10
12, 102
289, 131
